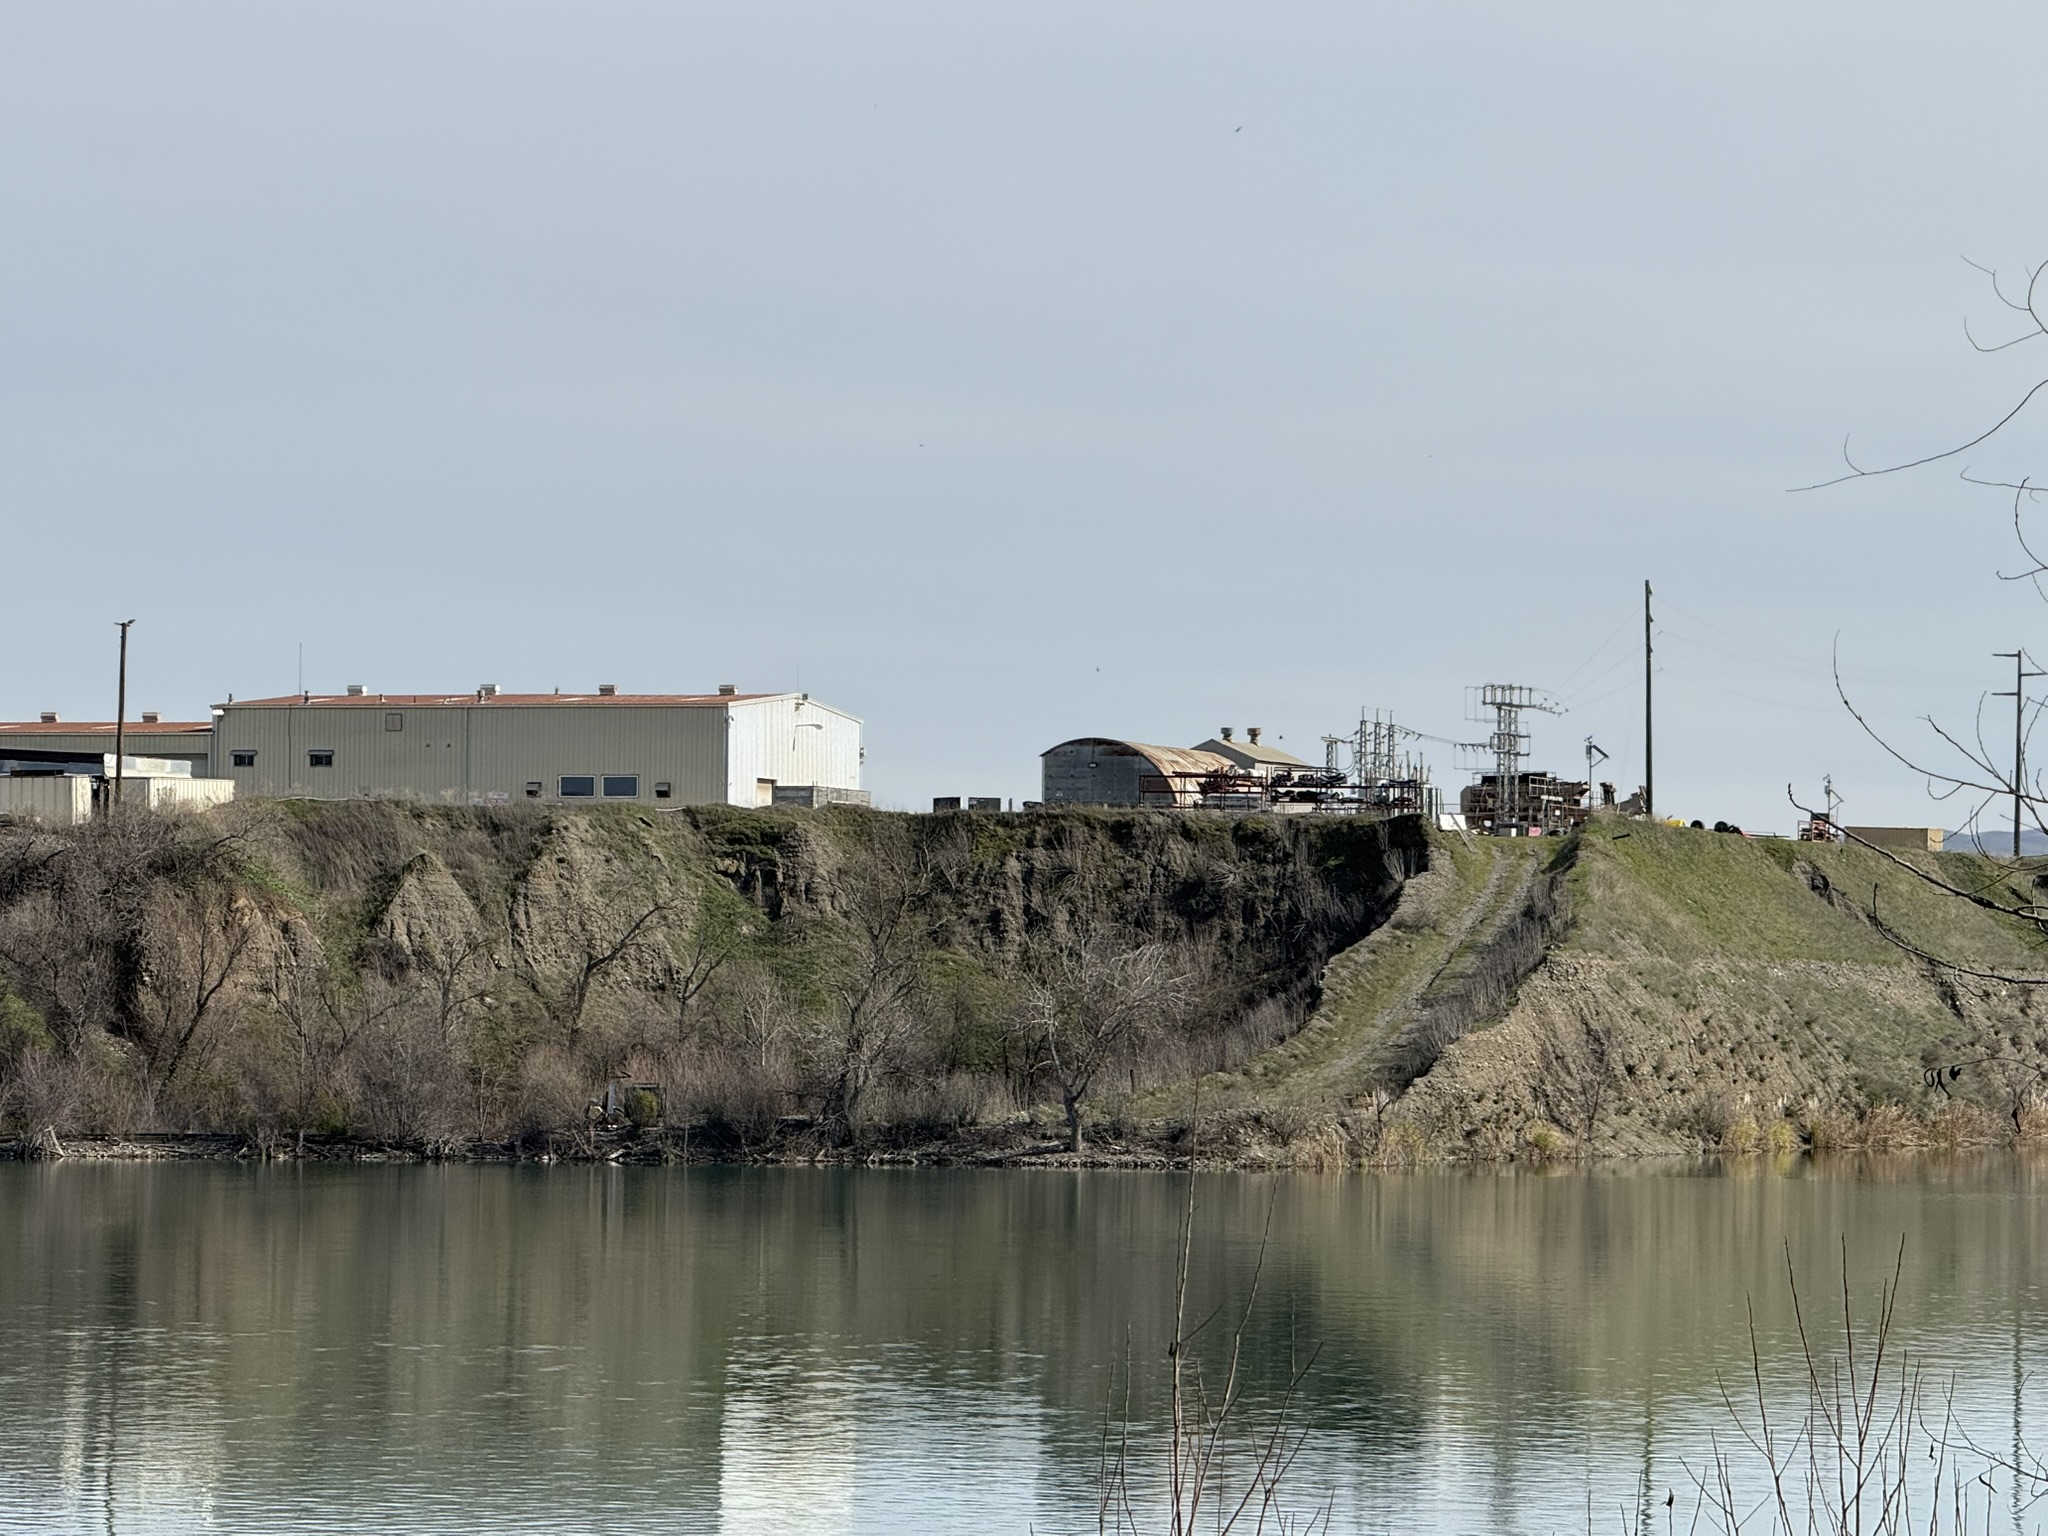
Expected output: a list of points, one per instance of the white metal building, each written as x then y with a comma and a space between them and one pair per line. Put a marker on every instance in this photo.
487, 747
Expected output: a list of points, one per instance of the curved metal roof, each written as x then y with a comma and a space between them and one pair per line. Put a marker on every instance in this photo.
1172, 761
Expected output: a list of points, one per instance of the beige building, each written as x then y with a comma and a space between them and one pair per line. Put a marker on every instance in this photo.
489, 748
1259, 758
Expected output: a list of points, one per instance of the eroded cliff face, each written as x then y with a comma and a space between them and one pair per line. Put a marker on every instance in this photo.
438, 973
790, 981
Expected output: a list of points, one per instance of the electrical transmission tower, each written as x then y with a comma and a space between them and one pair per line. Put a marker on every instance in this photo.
1509, 745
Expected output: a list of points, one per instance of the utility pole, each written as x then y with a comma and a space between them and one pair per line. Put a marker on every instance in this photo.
1649, 716
121, 712
2019, 734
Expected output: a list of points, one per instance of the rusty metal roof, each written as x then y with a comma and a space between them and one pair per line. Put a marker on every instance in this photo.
88, 727
476, 697
1171, 761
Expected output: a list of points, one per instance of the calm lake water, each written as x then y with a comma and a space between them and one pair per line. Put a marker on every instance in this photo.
444, 1349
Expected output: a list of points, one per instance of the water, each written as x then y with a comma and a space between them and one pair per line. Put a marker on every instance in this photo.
442, 1349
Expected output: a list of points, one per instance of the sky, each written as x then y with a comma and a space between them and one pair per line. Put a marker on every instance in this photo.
1007, 373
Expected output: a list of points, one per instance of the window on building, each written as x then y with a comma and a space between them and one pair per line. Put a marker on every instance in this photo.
662, 789
533, 788
320, 757
576, 787
764, 791
621, 785
394, 722
243, 759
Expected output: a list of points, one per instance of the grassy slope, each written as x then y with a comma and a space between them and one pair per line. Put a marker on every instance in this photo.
1725, 981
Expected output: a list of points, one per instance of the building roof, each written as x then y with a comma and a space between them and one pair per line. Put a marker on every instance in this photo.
91, 727
478, 697
1168, 760
1248, 753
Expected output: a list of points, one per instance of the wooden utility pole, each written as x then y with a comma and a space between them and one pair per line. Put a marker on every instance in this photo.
2019, 734
121, 712
1649, 715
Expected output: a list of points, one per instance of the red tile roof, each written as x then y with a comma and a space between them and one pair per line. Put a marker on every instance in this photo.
457, 700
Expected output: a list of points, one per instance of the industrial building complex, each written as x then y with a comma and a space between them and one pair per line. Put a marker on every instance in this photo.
1372, 771
483, 747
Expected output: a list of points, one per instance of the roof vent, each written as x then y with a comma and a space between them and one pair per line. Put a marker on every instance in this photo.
49, 717
607, 690
1252, 734
487, 690
1226, 732
355, 690
150, 717
727, 690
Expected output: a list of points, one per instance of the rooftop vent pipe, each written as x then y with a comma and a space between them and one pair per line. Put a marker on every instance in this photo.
607, 690
728, 690
49, 717
355, 690
150, 717
1226, 732
487, 690
1253, 733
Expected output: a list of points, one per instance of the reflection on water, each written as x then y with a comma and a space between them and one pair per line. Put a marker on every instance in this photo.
763, 1350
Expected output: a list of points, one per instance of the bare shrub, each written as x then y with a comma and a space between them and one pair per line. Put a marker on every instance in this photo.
409, 1082
552, 1091
1578, 1072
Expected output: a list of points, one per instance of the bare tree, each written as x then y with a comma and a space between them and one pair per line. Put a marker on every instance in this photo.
1960, 766
880, 970
713, 941
1095, 998
197, 944
564, 990
1976, 771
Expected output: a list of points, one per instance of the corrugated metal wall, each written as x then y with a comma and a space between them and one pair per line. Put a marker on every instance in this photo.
162, 794
63, 802
488, 753
789, 740
1094, 773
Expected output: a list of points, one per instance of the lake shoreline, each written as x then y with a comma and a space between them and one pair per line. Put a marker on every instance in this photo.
1225, 1145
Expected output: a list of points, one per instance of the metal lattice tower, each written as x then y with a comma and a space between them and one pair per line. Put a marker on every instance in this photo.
1509, 744
1385, 778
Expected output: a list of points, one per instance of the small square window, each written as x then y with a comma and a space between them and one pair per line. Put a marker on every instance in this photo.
394, 722
320, 757
621, 785
244, 759
577, 787
662, 789
533, 789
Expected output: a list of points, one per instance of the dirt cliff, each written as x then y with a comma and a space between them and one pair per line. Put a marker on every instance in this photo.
842, 982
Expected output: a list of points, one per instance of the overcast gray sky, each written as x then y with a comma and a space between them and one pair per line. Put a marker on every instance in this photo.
1004, 373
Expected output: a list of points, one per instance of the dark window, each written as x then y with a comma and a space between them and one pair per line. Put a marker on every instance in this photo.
618, 784
320, 758
394, 722
533, 787
577, 787
661, 789
244, 759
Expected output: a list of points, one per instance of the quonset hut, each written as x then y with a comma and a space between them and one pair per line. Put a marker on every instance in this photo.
1095, 770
